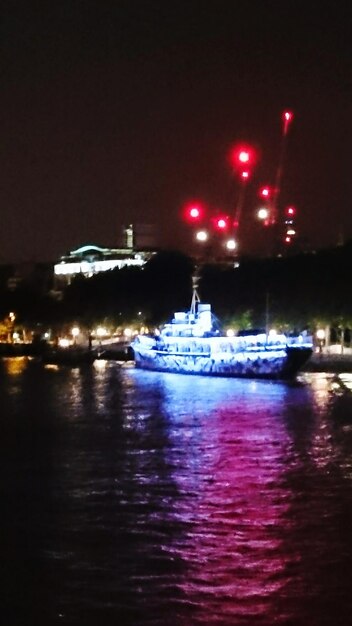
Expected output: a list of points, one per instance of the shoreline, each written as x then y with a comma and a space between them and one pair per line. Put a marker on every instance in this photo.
335, 363
318, 362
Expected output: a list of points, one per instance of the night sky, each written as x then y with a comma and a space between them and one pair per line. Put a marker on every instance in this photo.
119, 112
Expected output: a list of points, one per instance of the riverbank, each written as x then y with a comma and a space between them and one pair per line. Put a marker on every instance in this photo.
318, 362
336, 363
120, 351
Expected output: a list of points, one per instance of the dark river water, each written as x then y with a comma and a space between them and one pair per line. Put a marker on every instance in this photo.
140, 498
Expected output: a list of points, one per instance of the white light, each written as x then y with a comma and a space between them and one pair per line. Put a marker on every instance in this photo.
231, 244
89, 268
263, 213
63, 342
243, 156
101, 331
127, 332
99, 364
320, 334
230, 332
202, 235
272, 333
291, 232
75, 331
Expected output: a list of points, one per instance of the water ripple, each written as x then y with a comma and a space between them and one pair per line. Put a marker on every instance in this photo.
141, 498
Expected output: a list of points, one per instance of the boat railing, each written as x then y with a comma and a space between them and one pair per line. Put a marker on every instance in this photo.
205, 345
303, 340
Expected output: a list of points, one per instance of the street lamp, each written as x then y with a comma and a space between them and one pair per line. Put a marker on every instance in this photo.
75, 333
320, 335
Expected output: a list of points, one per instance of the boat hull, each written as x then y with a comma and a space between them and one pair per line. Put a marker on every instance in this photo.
283, 363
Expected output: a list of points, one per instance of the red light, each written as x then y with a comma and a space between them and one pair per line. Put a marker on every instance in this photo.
265, 192
193, 212
245, 175
287, 117
221, 222
287, 239
290, 211
243, 156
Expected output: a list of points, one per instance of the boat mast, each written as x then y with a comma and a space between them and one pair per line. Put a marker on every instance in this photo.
195, 296
267, 314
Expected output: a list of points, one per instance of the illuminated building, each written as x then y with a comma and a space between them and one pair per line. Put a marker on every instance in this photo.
89, 260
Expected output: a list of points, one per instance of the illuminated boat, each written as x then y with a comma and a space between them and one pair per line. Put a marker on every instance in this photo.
192, 343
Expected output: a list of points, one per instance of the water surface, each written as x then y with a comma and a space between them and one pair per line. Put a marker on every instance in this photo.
131, 497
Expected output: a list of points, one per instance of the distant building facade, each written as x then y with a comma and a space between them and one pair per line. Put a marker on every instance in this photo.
91, 259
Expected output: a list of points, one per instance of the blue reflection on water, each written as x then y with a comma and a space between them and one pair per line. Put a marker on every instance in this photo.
150, 498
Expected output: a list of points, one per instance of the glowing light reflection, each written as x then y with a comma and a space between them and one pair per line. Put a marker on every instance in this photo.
15, 365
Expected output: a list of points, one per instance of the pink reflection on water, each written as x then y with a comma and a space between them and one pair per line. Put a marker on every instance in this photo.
261, 475
235, 469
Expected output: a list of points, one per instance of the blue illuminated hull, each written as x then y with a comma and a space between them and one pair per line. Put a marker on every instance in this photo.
281, 363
